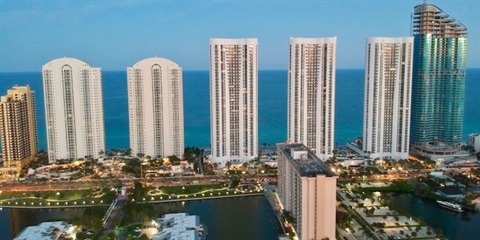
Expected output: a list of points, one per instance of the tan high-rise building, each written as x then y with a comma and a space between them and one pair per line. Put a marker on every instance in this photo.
307, 189
311, 94
233, 99
18, 127
155, 108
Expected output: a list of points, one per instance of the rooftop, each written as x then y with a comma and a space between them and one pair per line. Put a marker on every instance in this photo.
43, 231
306, 163
430, 19
179, 226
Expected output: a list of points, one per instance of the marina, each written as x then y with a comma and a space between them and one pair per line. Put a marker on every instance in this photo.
233, 218
453, 225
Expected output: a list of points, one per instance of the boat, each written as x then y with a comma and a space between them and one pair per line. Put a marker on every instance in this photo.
451, 206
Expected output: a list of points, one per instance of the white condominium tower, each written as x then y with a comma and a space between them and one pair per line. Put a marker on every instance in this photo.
233, 99
73, 109
388, 84
18, 127
155, 108
311, 94
307, 189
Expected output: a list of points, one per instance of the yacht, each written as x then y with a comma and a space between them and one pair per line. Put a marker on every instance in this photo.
451, 206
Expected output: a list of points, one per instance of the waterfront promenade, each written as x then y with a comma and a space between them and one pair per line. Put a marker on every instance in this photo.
27, 201
277, 207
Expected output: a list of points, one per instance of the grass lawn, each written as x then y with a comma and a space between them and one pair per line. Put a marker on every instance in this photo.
56, 198
190, 189
51, 195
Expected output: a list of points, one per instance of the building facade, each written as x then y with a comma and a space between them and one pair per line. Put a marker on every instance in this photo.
155, 107
307, 189
73, 109
311, 94
233, 99
18, 127
388, 83
439, 71
474, 141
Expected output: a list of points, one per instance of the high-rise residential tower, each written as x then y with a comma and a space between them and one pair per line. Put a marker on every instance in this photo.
438, 81
307, 189
155, 108
18, 127
233, 99
388, 82
311, 94
73, 109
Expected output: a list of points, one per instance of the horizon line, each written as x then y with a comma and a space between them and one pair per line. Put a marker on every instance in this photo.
201, 70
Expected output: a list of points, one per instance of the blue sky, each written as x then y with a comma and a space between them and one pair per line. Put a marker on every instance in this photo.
116, 34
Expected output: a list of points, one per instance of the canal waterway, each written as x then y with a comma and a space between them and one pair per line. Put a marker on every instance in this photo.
228, 218
462, 226
14, 220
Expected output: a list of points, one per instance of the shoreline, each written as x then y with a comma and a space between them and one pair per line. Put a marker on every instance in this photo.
140, 202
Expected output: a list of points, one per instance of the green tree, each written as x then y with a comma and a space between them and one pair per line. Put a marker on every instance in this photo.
174, 160
343, 219
228, 165
235, 183
287, 216
109, 236
136, 212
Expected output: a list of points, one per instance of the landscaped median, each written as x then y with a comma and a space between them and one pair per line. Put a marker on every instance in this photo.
55, 199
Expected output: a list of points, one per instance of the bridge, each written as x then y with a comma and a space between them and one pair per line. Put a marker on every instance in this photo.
114, 211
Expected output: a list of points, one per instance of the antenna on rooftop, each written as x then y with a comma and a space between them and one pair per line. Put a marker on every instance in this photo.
411, 22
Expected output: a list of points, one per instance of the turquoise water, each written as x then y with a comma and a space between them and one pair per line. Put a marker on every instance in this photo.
272, 104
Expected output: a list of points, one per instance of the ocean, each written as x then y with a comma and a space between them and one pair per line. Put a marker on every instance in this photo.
272, 105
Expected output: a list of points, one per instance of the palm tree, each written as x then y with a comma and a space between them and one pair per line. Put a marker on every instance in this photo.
367, 234
381, 231
228, 165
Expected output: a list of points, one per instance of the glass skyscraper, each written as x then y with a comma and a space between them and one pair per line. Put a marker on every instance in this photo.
438, 81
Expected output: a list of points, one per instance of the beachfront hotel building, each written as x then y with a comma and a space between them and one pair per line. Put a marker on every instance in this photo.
18, 127
73, 109
155, 108
388, 83
438, 81
307, 189
311, 94
233, 99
